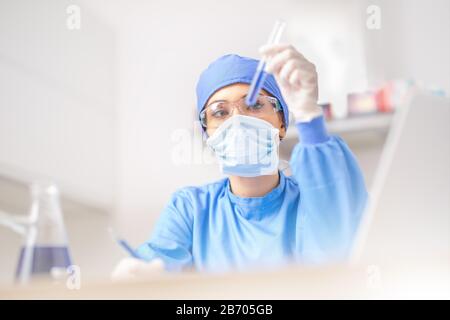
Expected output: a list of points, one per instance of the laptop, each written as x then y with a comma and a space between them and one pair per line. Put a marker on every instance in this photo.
408, 215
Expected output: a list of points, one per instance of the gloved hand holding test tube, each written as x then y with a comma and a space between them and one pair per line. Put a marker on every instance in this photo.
260, 74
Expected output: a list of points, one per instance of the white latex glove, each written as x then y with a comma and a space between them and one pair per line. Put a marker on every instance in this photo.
131, 268
297, 78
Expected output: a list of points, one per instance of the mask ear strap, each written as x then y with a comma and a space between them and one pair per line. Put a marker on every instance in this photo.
204, 136
202, 130
283, 165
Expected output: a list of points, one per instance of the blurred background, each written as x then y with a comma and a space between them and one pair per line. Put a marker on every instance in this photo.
98, 96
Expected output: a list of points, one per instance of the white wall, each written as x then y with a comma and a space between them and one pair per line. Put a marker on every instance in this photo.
57, 99
413, 43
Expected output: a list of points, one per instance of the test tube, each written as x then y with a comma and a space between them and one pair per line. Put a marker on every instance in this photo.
260, 74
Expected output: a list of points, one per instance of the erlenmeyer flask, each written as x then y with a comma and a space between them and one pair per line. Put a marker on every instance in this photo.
45, 251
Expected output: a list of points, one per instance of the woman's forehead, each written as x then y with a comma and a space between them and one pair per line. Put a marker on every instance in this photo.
231, 92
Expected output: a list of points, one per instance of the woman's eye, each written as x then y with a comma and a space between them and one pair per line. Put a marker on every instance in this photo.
219, 113
256, 106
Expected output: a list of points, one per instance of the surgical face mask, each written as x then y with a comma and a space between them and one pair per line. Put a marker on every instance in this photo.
246, 146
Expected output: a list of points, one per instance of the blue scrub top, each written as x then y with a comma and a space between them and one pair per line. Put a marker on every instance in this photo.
310, 217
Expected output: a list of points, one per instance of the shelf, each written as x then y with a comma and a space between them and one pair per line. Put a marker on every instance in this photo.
374, 122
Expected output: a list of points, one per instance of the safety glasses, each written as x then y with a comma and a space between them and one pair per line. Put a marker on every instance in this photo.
214, 114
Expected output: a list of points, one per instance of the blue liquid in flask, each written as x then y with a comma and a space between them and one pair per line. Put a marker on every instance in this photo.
45, 253
42, 260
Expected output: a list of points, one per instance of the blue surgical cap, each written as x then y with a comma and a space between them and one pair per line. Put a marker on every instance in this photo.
230, 69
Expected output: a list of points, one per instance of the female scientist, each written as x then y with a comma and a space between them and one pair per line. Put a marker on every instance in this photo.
258, 216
